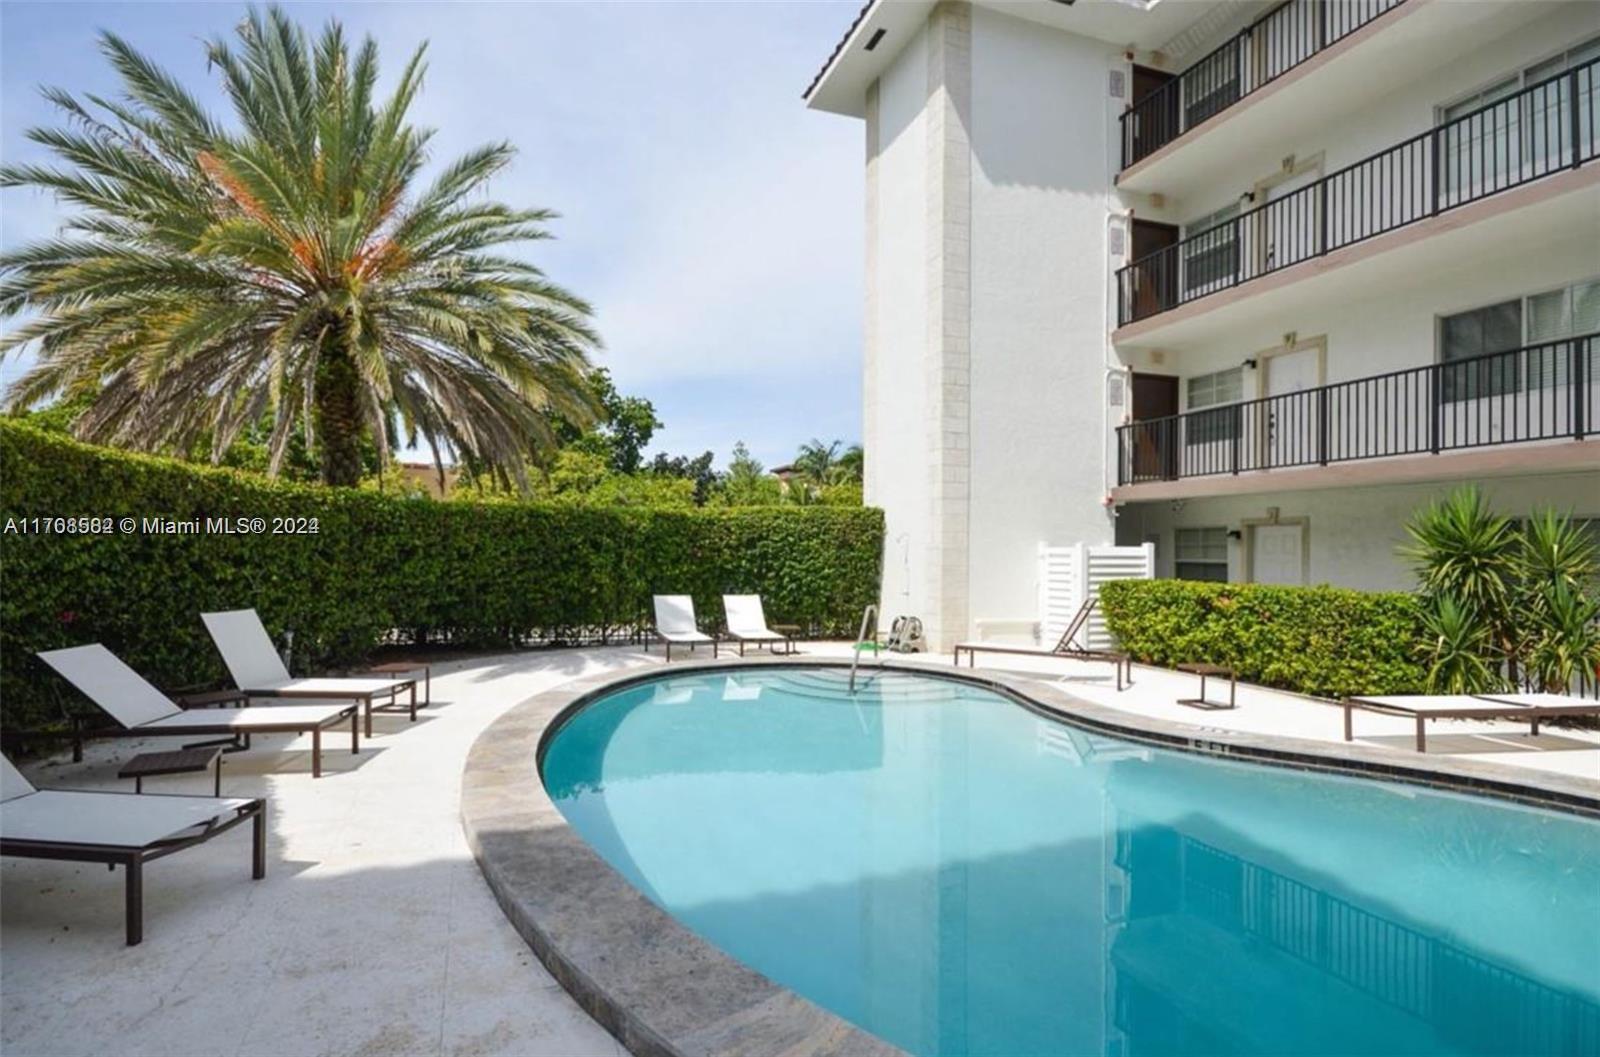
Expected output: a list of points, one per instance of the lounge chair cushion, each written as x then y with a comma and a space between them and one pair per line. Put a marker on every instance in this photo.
264, 717
746, 618
117, 819
111, 684
675, 619
246, 649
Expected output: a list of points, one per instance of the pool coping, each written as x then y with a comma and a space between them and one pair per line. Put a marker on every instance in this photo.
662, 991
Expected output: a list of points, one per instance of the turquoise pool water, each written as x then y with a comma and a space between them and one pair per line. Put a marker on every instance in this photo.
959, 875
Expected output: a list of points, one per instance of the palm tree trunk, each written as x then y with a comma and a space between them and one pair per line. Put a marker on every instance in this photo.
339, 423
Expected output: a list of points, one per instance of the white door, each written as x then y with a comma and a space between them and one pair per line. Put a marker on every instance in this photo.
1277, 554
1291, 421
1291, 223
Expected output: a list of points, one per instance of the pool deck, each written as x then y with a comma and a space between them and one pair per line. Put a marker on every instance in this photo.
374, 932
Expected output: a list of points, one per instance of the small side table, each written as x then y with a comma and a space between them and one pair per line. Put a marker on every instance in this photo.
789, 632
408, 668
1204, 670
179, 761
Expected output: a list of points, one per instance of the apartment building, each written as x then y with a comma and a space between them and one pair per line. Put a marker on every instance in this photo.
1249, 282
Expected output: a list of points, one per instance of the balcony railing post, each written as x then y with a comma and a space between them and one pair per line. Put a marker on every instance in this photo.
1122, 463
1238, 250
1578, 371
1433, 167
1322, 220
1575, 127
1435, 405
1236, 433
1322, 425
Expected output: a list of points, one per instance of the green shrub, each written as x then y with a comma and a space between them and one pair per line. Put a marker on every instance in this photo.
1326, 641
479, 575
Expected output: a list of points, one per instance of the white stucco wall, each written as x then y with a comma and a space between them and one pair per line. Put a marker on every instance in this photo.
897, 423
1354, 532
1029, 400
1042, 163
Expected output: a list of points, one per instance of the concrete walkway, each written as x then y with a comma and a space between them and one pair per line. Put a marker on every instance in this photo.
1155, 693
374, 932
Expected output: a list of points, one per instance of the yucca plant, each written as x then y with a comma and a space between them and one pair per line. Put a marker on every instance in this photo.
289, 264
1461, 548
1565, 643
1459, 652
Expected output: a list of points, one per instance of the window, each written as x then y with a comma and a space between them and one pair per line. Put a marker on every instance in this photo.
1555, 316
1547, 319
1507, 144
1211, 261
1468, 335
1213, 390
1201, 554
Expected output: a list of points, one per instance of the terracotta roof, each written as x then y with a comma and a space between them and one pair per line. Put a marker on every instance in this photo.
839, 47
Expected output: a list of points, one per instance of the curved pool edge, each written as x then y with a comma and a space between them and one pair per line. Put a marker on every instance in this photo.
665, 992
655, 986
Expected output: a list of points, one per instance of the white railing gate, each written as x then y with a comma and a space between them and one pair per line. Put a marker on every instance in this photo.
1069, 574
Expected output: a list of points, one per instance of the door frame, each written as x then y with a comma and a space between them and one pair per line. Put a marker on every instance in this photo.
1261, 235
1263, 372
1160, 284
1167, 453
1247, 543
1264, 360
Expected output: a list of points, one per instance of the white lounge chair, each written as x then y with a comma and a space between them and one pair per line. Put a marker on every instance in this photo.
747, 622
675, 624
142, 710
257, 669
119, 829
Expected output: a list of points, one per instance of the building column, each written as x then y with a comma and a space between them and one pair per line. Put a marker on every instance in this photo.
949, 190
869, 341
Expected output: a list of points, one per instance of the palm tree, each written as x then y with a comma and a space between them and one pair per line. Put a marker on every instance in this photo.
290, 266
816, 460
830, 463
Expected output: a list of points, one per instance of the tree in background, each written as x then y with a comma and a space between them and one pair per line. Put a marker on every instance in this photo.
747, 482
697, 470
288, 266
623, 431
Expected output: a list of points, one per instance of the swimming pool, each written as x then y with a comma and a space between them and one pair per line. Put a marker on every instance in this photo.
959, 875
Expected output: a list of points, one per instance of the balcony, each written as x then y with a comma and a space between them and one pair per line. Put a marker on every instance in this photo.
1547, 128
1256, 56
1544, 392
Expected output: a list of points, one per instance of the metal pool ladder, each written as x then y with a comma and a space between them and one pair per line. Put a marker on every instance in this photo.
868, 619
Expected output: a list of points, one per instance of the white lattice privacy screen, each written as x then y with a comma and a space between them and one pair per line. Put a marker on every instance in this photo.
1066, 573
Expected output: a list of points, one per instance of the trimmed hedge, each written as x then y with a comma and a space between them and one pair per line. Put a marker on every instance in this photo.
470, 574
1327, 641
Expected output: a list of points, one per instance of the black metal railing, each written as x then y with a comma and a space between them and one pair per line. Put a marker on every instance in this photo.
1538, 392
1253, 58
1545, 128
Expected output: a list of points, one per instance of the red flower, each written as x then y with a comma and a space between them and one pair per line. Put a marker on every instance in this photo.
68, 616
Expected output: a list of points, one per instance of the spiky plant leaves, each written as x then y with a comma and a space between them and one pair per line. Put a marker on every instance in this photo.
1459, 651
287, 263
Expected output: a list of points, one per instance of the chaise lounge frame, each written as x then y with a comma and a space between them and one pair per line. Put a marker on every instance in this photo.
258, 671
235, 725
1066, 647
132, 857
751, 618
1530, 707
675, 623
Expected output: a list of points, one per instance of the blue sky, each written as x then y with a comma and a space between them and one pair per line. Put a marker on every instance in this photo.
714, 222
